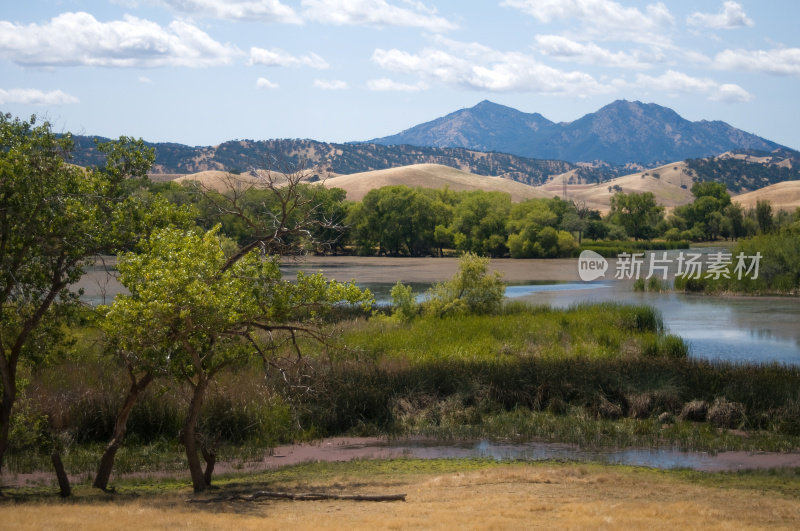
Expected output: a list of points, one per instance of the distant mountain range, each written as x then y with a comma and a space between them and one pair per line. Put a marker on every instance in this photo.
621, 132
493, 140
242, 155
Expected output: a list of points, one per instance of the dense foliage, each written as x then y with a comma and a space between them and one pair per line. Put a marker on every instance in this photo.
53, 218
778, 271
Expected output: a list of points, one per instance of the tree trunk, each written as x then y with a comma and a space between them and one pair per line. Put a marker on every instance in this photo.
120, 427
6, 405
61, 474
190, 434
210, 457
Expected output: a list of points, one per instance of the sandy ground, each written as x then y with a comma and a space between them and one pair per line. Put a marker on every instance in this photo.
388, 269
507, 497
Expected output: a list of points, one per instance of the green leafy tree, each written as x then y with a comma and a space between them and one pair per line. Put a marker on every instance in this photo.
54, 217
404, 304
477, 218
532, 229
638, 213
763, 215
705, 217
473, 290
190, 315
735, 214
283, 221
397, 220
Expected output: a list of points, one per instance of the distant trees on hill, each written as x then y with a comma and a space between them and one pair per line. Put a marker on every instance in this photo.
739, 175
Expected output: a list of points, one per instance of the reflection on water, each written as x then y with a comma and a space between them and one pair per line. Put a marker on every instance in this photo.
514, 291
741, 329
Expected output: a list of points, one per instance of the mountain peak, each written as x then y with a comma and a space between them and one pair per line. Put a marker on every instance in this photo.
622, 131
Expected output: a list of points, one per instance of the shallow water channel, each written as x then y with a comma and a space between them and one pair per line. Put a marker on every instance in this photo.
348, 448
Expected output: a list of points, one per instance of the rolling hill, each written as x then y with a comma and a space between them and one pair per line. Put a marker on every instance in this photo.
783, 196
221, 181
430, 176
240, 156
670, 183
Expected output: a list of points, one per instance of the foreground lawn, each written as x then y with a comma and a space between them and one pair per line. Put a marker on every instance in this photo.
440, 494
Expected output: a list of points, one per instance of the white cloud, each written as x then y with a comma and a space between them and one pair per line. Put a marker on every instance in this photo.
374, 13
36, 97
330, 84
246, 10
145, 80
278, 57
732, 16
780, 62
385, 84
478, 67
673, 82
264, 83
79, 39
603, 18
567, 49
731, 94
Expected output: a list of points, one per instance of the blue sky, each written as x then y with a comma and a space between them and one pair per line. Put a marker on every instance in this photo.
201, 72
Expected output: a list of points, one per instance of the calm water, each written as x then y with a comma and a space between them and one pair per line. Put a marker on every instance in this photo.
742, 329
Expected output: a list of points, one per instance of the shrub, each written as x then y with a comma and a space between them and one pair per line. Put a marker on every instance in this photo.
724, 414
640, 405
403, 302
696, 411
473, 290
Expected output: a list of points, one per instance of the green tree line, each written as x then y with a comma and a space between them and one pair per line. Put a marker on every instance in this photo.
403, 221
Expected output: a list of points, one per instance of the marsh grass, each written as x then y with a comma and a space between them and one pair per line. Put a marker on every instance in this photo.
595, 375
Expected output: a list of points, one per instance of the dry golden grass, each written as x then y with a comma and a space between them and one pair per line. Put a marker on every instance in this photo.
512, 496
221, 180
666, 187
430, 176
783, 196
672, 187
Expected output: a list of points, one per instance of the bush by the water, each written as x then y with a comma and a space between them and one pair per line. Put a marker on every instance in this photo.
778, 270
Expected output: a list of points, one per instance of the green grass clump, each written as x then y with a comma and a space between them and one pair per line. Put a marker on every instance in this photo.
604, 330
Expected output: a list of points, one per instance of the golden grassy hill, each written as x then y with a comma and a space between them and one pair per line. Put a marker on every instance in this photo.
783, 196
671, 184
220, 180
430, 176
